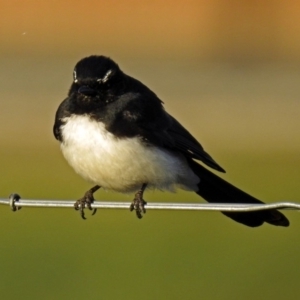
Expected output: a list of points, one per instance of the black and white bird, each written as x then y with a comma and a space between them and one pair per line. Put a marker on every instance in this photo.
115, 133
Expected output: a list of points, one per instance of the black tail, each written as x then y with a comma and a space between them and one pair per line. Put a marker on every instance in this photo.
216, 190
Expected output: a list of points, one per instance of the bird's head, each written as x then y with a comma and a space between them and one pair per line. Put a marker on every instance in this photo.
96, 81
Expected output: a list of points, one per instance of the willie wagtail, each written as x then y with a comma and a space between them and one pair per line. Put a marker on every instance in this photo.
115, 133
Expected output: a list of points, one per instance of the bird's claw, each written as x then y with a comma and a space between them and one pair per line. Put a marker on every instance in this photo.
86, 202
138, 203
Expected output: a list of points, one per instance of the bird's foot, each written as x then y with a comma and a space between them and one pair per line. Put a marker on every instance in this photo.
138, 203
86, 201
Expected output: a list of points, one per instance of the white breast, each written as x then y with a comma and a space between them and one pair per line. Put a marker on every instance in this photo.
121, 164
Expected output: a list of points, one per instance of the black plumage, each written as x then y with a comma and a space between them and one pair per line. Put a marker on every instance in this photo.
129, 109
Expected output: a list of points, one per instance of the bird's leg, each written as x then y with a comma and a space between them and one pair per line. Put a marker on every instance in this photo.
86, 201
138, 203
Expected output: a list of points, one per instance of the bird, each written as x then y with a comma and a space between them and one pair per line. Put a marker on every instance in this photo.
115, 132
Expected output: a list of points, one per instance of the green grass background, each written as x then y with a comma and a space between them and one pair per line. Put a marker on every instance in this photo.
247, 119
229, 72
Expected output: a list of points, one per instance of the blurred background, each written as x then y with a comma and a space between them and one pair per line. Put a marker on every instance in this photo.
229, 71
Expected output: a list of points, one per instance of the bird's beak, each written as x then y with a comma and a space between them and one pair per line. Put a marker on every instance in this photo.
87, 91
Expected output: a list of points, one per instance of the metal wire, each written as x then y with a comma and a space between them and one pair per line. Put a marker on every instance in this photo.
15, 202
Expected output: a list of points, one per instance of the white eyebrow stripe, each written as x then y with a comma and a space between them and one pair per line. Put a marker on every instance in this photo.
75, 76
105, 78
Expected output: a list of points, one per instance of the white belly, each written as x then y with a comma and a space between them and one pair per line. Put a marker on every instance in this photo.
121, 164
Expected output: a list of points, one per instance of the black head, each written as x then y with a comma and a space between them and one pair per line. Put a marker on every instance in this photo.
95, 67
96, 81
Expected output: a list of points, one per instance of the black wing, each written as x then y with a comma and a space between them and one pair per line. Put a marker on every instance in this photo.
188, 145
145, 114
61, 112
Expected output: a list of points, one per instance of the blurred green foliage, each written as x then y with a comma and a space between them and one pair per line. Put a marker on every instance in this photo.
221, 69
53, 254
247, 119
